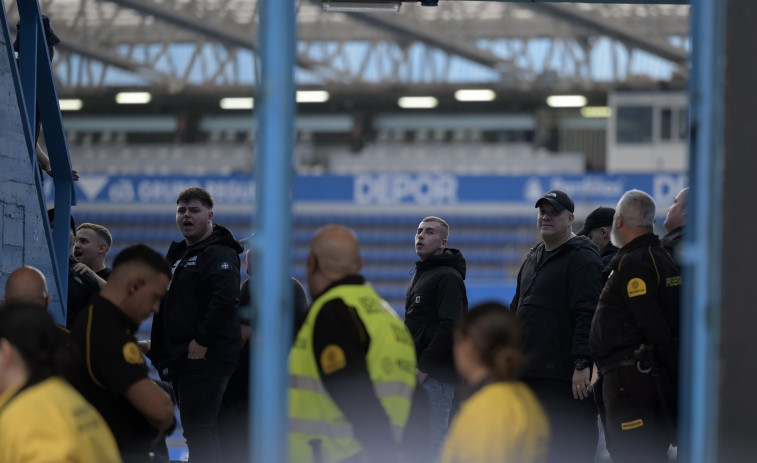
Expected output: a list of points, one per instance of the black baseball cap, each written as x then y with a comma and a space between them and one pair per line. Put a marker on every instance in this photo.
599, 217
558, 199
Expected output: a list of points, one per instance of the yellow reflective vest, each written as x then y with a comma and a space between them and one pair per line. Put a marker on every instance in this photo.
316, 424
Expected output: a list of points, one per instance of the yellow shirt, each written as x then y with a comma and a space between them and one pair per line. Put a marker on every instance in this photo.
503, 422
52, 423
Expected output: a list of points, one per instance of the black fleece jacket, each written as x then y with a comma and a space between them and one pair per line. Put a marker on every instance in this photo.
555, 301
436, 298
201, 302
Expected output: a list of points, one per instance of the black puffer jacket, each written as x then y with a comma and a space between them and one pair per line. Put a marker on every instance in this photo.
555, 302
201, 302
435, 299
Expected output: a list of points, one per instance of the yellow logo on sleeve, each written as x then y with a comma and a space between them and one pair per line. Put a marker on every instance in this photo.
333, 359
132, 354
636, 287
632, 425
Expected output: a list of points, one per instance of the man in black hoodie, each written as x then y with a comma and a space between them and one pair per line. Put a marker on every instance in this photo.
435, 299
196, 336
557, 291
597, 227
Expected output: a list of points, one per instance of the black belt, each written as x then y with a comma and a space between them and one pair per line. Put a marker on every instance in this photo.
604, 369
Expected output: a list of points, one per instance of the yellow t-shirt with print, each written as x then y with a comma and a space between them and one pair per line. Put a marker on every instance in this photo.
503, 422
50, 422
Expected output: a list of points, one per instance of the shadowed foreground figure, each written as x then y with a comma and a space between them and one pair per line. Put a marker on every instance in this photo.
27, 285
502, 421
352, 366
43, 418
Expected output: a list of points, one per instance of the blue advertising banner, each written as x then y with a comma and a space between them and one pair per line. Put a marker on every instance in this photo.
382, 189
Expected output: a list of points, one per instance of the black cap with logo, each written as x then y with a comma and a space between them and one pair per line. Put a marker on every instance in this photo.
558, 199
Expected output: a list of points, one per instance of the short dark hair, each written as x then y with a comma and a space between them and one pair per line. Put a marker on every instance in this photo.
32, 331
496, 336
196, 193
51, 219
146, 255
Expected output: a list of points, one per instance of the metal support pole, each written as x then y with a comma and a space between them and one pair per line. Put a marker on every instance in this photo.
273, 238
39, 93
702, 252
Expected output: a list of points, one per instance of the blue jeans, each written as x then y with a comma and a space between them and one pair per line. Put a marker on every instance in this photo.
199, 386
440, 396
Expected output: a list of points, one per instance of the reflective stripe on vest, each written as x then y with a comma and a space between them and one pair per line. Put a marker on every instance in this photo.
313, 415
383, 390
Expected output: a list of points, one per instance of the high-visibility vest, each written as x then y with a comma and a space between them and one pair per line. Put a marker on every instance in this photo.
316, 424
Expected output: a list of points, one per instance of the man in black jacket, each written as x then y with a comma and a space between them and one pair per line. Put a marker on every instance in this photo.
557, 291
639, 306
597, 227
81, 287
196, 335
674, 222
234, 417
435, 299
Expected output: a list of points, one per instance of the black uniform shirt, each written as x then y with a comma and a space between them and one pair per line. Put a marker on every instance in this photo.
109, 362
105, 273
639, 304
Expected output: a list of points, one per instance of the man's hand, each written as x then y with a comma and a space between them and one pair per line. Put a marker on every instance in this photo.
421, 376
196, 351
246, 331
581, 383
81, 269
145, 346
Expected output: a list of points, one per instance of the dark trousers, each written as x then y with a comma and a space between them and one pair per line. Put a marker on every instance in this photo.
573, 422
234, 429
199, 386
636, 425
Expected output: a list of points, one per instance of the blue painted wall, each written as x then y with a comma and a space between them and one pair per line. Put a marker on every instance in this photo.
23, 239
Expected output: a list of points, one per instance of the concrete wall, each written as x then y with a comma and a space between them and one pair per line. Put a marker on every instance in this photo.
23, 234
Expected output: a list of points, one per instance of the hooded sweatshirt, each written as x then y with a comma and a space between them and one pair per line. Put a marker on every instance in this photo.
201, 301
554, 301
435, 299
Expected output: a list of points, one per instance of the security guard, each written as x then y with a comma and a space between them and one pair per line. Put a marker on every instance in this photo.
111, 371
352, 367
634, 336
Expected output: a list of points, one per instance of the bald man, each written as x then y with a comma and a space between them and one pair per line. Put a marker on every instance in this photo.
27, 285
353, 361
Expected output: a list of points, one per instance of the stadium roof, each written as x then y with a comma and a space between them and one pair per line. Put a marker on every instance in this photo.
208, 47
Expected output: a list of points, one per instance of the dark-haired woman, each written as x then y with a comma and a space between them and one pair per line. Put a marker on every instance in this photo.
502, 421
42, 418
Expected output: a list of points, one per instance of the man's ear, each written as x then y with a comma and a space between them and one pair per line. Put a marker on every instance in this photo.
605, 232
312, 264
444, 243
6, 351
134, 285
210, 216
